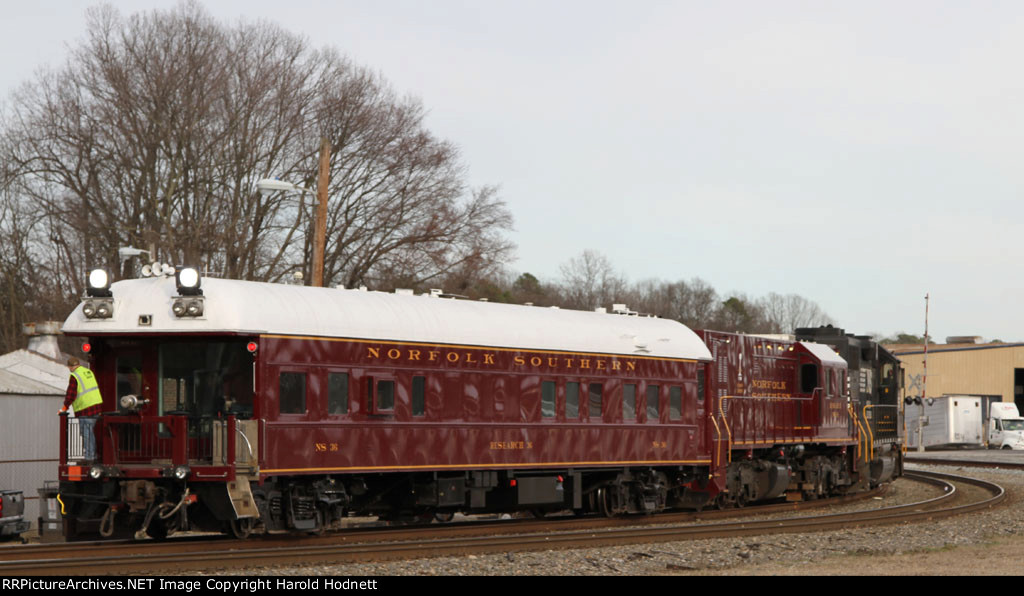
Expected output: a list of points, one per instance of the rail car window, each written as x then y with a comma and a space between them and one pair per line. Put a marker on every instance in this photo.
547, 399
808, 378
205, 378
337, 393
675, 403
629, 401
653, 407
292, 386
129, 375
471, 396
419, 396
596, 389
385, 396
572, 400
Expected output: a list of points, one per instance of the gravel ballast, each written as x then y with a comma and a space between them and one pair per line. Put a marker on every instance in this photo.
931, 548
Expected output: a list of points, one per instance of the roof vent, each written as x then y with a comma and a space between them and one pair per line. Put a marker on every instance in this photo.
404, 292
963, 339
42, 338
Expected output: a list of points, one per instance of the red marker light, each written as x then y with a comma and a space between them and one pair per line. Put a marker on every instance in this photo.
251, 346
560, 479
512, 482
86, 347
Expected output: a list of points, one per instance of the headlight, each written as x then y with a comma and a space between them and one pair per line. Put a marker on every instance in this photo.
195, 308
188, 280
96, 472
181, 472
98, 308
98, 284
187, 307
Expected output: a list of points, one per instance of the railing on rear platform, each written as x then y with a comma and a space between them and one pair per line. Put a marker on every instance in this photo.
174, 439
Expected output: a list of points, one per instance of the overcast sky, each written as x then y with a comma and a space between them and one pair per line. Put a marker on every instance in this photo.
861, 154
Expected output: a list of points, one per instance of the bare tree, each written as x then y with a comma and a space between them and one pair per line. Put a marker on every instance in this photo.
784, 314
156, 129
590, 281
693, 303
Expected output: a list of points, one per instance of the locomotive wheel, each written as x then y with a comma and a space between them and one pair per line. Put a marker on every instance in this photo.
157, 530
242, 528
602, 502
444, 516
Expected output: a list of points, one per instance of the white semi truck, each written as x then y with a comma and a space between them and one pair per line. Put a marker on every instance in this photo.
1005, 426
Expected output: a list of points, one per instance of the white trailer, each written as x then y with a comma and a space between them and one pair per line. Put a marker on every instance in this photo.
947, 421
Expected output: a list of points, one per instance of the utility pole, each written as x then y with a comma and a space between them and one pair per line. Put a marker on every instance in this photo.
924, 380
320, 236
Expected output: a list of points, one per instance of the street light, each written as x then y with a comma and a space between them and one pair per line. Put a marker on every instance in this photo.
274, 185
320, 236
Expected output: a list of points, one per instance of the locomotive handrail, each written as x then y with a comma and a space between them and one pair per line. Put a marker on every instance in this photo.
860, 428
725, 423
753, 398
718, 441
870, 440
871, 437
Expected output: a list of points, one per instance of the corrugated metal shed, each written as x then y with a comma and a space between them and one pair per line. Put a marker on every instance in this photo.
32, 390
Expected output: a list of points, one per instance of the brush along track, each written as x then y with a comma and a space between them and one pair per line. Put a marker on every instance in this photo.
403, 543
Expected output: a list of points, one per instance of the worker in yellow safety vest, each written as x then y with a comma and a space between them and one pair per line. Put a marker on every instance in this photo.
83, 395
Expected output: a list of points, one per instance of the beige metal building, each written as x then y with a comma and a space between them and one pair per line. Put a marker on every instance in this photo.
994, 371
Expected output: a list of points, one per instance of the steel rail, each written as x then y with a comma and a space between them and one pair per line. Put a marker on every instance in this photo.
342, 551
964, 462
374, 533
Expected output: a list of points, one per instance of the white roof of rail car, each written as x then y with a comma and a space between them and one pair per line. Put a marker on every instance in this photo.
824, 353
264, 308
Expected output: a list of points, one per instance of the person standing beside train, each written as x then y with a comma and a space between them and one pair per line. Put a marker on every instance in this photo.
83, 395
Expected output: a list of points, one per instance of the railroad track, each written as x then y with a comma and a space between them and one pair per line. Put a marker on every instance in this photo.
929, 461
455, 539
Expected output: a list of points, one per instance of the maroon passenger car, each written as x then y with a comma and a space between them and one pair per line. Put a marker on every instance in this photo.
240, 404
